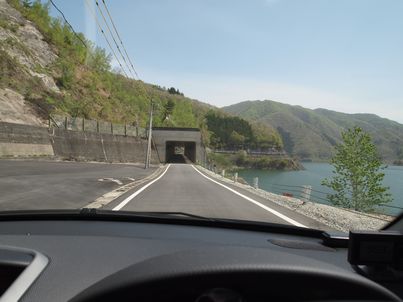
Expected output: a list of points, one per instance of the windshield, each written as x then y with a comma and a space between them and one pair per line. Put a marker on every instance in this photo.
275, 111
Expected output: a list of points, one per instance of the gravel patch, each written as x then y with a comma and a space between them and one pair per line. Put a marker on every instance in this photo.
337, 218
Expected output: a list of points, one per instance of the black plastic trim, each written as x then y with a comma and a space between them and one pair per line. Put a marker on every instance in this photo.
121, 216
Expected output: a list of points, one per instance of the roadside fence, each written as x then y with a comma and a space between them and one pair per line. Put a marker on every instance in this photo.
271, 151
305, 193
81, 124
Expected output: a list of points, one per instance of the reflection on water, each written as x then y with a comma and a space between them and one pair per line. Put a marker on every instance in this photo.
292, 181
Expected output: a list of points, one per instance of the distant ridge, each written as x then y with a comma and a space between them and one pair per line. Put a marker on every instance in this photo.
311, 134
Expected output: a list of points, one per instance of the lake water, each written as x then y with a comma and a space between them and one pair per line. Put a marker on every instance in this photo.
291, 181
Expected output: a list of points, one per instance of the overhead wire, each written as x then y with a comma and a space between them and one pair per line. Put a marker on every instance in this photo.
121, 42
141, 85
68, 23
106, 38
113, 38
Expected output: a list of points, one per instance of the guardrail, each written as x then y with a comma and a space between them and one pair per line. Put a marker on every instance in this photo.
306, 193
252, 152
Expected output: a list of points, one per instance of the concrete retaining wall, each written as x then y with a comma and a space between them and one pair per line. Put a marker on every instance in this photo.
98, 147
24, 140
27, 141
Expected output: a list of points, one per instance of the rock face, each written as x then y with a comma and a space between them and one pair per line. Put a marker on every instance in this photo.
14, 109
23, 42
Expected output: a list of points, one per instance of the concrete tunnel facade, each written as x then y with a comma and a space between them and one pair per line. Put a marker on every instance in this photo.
172, 143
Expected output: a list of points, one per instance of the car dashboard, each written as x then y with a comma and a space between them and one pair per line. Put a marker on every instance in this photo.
79, 260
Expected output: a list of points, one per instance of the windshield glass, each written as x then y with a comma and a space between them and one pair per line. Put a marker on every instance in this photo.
276, 111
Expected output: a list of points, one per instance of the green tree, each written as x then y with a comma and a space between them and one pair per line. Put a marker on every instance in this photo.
98, 59
26, 3
358, 176
168, 110
236, 139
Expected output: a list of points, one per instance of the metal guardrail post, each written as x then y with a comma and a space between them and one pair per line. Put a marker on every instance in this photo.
65, 123
111, 128
97, 126
83, 124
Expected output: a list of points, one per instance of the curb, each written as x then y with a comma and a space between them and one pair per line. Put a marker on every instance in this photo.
112, 195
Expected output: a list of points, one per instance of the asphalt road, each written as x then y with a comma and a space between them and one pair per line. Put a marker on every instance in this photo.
184, 189
36, 185
60, 185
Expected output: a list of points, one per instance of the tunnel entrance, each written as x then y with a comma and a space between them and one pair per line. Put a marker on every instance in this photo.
180, 152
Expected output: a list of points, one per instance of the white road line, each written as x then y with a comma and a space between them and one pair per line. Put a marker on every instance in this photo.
278, 214
128, 199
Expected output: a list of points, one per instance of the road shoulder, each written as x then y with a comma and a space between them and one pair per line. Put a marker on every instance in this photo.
114, 196
330, 217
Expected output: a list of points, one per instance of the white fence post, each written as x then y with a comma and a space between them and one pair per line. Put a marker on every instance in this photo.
256, 182
236, 177
306, 193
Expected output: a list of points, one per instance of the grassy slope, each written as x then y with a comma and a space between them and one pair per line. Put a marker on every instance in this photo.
310, 134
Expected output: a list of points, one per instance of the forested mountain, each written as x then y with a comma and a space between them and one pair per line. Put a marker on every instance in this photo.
235, 133
311, 134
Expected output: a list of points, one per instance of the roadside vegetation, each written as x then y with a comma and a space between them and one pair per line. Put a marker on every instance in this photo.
358, 176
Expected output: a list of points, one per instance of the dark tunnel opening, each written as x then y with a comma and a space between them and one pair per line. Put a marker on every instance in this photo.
180, 152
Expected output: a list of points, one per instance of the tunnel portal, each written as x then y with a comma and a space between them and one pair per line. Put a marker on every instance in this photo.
180, 152
179, 145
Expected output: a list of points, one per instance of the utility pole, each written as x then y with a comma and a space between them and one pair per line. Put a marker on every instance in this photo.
148, 154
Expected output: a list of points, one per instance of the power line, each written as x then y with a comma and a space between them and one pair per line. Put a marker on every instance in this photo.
67, 22
113, 37
141, 86
117, 33
106, 38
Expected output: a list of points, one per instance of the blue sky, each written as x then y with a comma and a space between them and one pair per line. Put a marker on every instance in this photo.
345, 55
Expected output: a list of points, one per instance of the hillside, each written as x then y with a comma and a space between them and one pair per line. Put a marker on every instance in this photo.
43, 61
46, 69
311, 134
